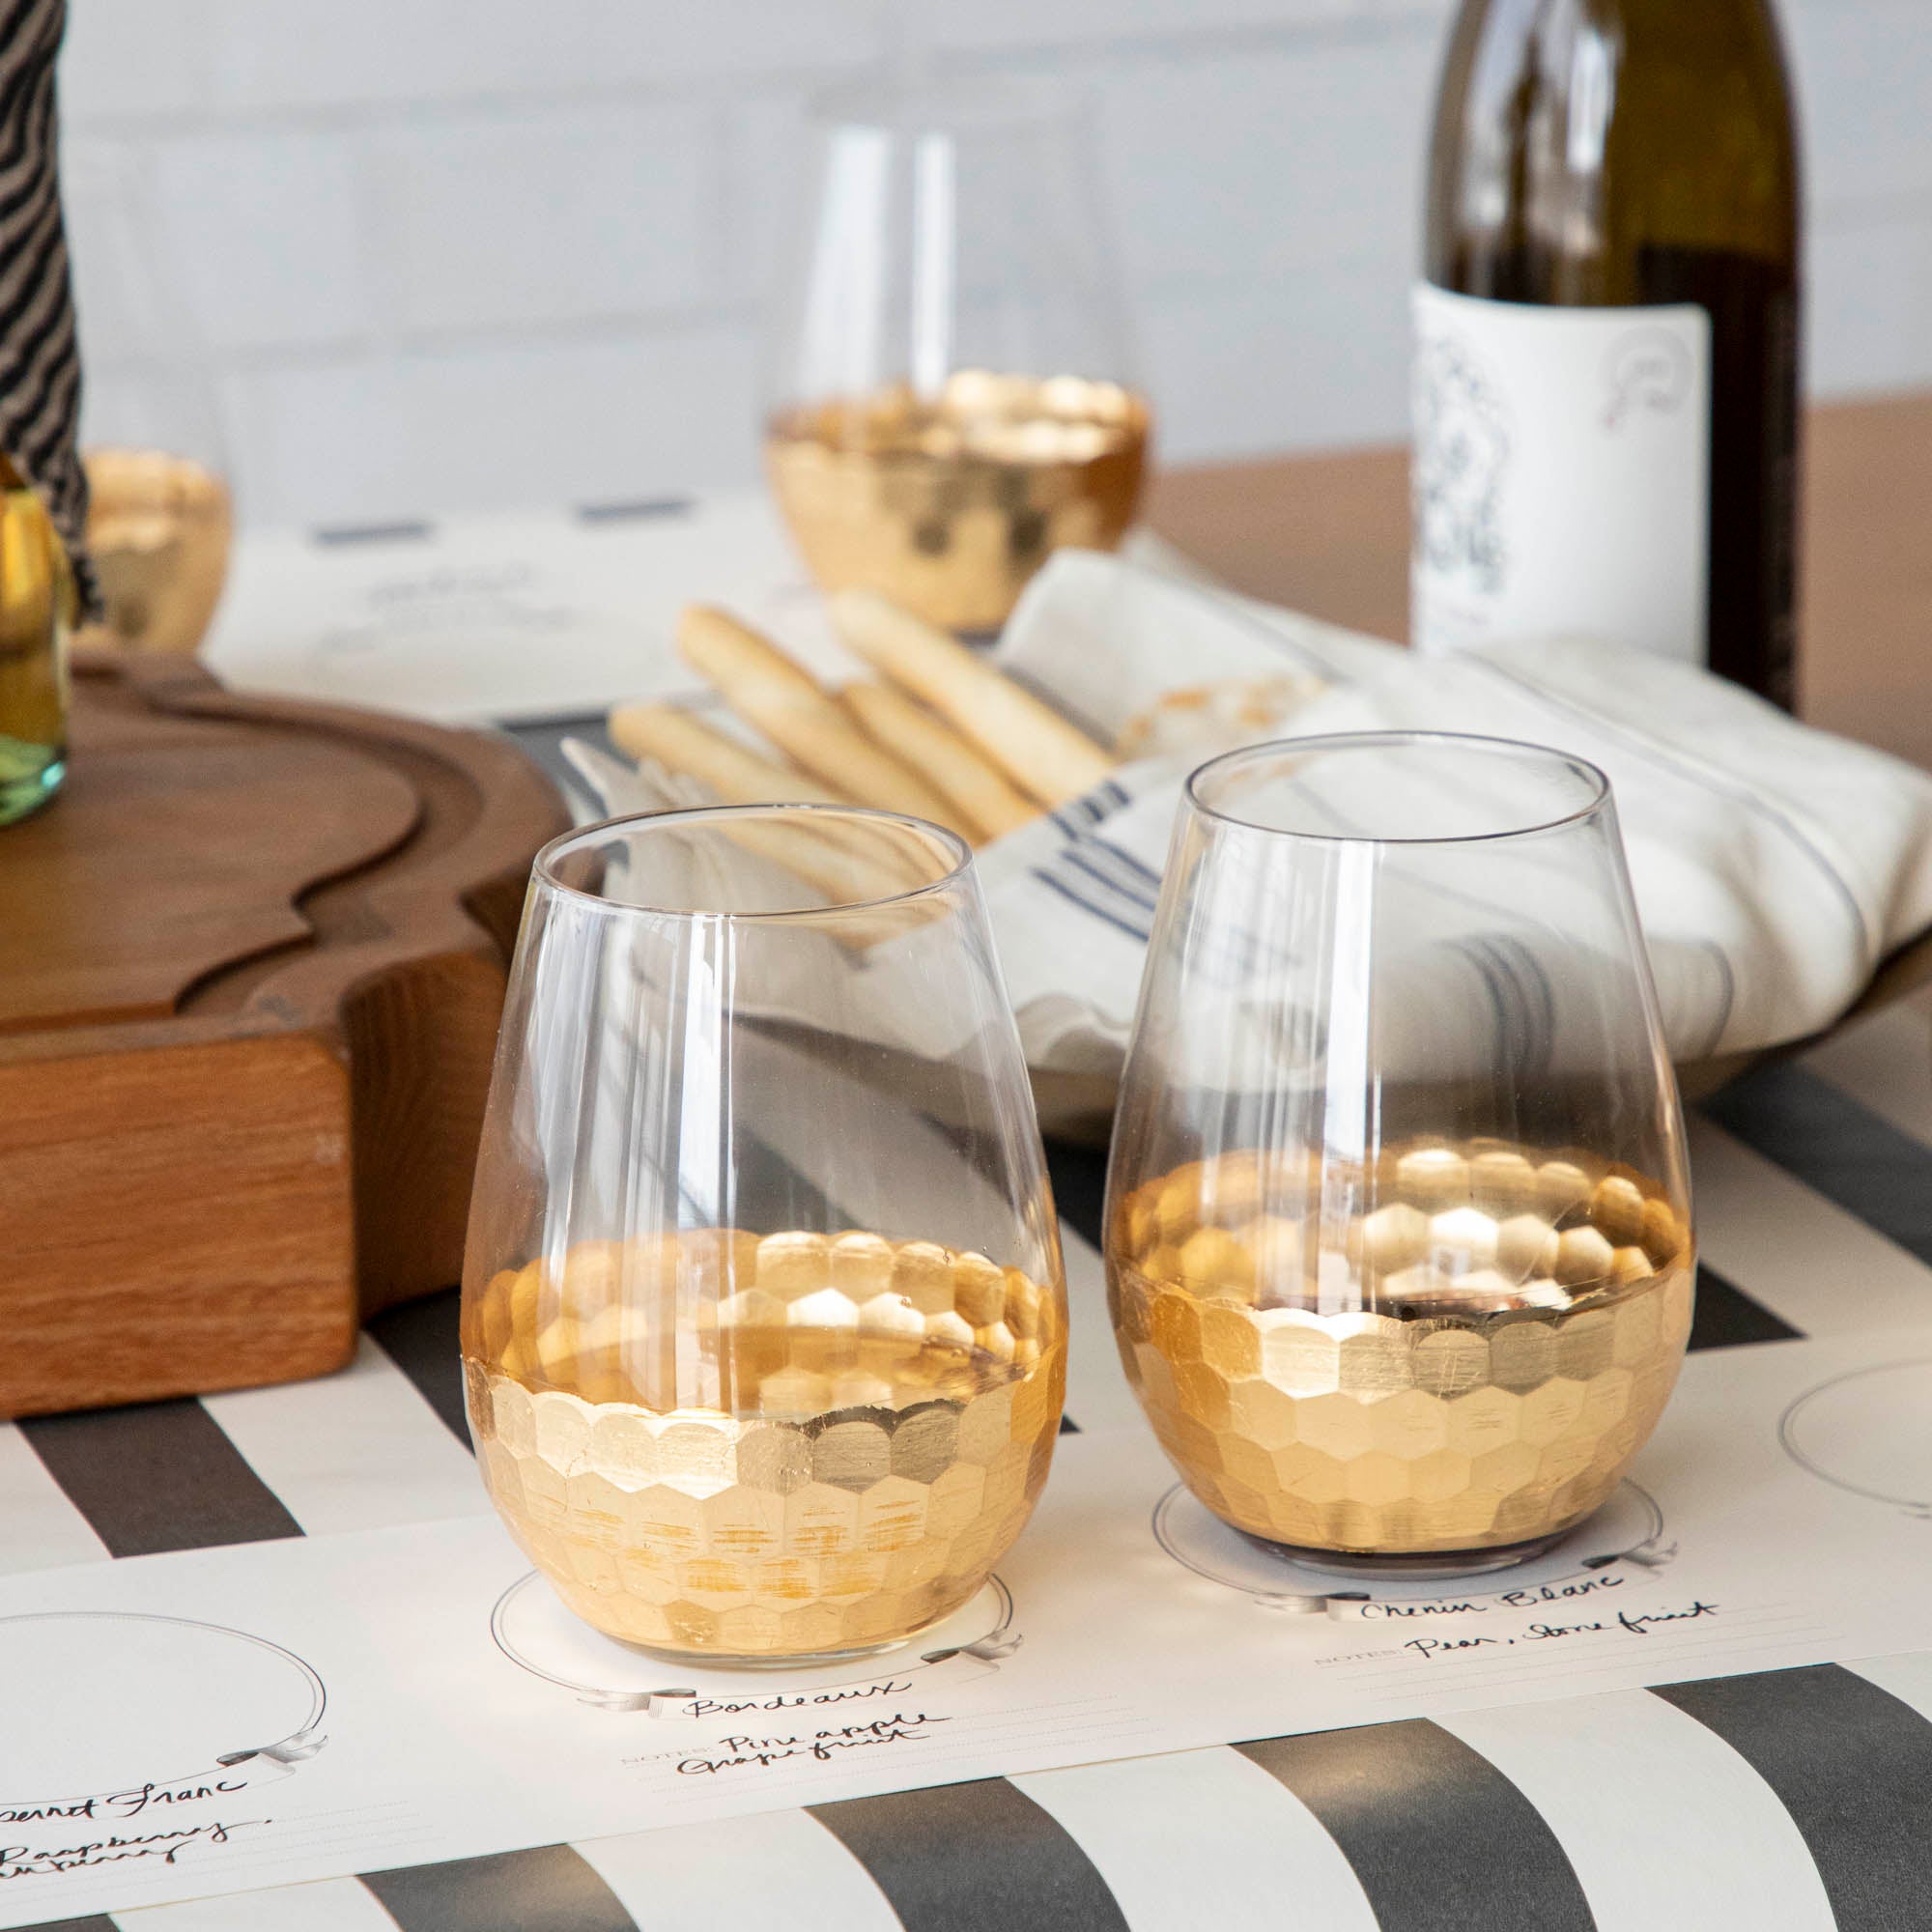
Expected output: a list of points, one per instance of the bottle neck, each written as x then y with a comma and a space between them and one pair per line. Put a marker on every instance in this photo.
1574, 139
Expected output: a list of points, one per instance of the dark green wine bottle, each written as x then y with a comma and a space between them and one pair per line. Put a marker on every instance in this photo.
1606, 338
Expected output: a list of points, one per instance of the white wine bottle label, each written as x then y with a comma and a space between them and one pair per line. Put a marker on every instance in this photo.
1562, 476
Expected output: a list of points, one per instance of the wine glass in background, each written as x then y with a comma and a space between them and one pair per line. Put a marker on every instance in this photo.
951, 399
1399, 1242
160, 519
763, 1318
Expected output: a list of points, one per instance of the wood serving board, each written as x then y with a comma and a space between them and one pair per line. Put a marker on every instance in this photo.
252, 961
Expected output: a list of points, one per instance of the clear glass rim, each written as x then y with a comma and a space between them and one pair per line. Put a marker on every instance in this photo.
1517, 749
936, 102
958, 855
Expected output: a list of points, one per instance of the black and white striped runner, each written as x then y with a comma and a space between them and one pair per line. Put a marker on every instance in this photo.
1793, 1801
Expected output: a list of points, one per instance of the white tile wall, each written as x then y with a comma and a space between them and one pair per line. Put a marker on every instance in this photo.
525, 218
580, 418
470, 253
1870, 313
1266, 165
1864, 77
271, 232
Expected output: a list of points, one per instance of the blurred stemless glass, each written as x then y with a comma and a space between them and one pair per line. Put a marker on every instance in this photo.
952, 401
1399, 1240
763, 1317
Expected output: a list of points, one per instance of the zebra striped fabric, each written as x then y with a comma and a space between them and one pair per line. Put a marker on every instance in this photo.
39, 359
1792, 1801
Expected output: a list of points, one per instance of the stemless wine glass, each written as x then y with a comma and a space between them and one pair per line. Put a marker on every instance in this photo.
763, 1318
1398, 1230
952, 402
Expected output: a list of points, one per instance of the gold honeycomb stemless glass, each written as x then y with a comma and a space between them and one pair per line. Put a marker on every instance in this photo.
763, 1317
1399, 1242
951, 399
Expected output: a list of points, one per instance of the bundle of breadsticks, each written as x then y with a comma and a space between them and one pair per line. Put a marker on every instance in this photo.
939, 733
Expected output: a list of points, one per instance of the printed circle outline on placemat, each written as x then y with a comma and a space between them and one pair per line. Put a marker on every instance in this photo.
535, 1631
1815, 1460
1628, 1527
119, 1709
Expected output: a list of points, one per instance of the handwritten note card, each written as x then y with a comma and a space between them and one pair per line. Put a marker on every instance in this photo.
501, 618
229, 1718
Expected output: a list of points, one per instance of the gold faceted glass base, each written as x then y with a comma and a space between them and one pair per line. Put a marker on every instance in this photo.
877, 1424
1458, 1378
948, 504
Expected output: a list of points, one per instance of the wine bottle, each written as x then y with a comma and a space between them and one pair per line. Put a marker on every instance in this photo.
1607, 339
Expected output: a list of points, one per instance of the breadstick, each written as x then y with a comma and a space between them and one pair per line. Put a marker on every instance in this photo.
976, 786
1036, 748
684, 743
843, 858
834, 860
787, 705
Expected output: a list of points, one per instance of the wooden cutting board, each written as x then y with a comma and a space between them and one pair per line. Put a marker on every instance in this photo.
251, 966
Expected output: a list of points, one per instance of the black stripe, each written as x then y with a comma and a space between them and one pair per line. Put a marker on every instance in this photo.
1837, 1148
1726, 1315
30, 135
422, 1339
973, 1858
26, 281
158, 1476
102, 1923
11, 51
37, 301
1079, 1177
1439, 1838
1853, 1766
547, 1889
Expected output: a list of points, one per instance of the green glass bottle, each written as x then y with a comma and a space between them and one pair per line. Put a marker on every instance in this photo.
36, 612
1607, 354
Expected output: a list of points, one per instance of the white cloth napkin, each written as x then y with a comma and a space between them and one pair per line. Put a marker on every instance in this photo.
1775, 866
